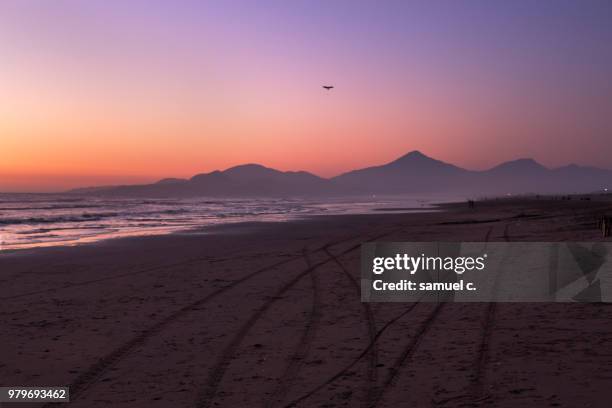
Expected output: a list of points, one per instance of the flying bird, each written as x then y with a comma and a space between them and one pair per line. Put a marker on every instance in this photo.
328, 87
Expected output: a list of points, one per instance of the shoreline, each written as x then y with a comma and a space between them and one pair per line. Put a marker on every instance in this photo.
430, 208
226, 227
443, 211
95, 221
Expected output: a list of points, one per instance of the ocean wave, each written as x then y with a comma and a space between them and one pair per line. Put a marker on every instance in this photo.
51, 207
57, 228
57, 219
86, 217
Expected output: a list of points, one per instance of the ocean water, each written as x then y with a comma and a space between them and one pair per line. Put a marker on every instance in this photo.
34, 220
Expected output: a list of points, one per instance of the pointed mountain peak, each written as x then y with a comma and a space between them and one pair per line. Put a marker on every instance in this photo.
418, 159
415, 154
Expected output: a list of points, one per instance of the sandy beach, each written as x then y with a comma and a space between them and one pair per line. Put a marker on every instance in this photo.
269, 315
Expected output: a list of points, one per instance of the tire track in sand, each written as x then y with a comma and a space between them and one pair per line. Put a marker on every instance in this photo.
340, 373
477, 387
475, 391
296, 360
218, 371
413, 345
91, 376
406, 355
368, 315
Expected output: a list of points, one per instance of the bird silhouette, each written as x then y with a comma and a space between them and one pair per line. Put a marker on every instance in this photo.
328, 87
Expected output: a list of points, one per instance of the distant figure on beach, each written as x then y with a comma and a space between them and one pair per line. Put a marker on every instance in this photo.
328, 87
605, 223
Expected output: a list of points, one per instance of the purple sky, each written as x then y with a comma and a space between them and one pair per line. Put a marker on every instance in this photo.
111, 91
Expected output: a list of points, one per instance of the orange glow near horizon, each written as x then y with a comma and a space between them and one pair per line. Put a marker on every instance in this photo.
176, 90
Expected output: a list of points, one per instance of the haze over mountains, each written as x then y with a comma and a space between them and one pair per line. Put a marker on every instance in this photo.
411, 173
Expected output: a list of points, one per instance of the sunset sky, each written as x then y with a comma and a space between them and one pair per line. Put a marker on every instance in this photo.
103, 92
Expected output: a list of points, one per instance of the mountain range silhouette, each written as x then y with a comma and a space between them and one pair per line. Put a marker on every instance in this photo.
411, 173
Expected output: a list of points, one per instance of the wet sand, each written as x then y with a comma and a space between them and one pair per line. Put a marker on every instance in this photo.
269, 315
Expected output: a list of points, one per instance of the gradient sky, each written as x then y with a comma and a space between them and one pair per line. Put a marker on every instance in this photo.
102, 92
